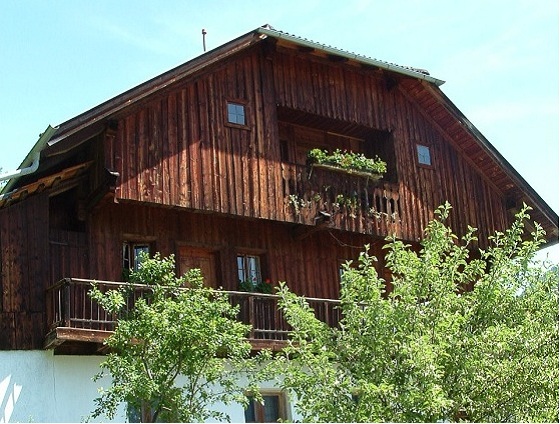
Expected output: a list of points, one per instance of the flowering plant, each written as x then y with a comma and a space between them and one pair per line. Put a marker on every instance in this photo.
254, 285
347, 160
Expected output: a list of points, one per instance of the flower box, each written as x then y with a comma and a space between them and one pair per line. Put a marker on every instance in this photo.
347, 162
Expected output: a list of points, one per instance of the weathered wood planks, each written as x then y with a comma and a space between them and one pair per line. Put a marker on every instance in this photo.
178, 149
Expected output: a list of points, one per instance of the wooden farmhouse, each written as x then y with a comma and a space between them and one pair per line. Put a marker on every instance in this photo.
210, 162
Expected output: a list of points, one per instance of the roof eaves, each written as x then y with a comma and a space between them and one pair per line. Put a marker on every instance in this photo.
498, 158
146, 88
43, 141
412, 72
142, 90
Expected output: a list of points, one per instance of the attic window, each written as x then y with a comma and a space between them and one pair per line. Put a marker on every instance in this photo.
424, 156
236, 113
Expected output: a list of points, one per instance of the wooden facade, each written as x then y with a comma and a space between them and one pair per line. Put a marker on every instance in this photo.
182, 136
161, 167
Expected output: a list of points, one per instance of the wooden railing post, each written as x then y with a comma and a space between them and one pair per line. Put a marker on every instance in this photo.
66, 302
251, 307
276, 316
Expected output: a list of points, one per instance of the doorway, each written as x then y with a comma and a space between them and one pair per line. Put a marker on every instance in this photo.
197, 257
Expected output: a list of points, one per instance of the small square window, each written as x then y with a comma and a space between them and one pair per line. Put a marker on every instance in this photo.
424, 157
236, 113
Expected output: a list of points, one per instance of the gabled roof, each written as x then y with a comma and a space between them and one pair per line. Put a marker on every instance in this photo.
418, 85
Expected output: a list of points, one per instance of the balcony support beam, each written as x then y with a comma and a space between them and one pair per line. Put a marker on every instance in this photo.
59, 335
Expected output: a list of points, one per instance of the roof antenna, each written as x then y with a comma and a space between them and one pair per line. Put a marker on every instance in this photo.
203, 39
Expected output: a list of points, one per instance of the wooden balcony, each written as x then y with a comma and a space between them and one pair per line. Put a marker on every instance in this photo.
77, 324
351, 201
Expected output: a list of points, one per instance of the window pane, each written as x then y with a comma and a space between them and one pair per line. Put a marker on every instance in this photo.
423, 155
254, 268
126, 256
249, 271
133, 413
241, 274
250, 416
236, 113
137, 249
240, 112
271, 409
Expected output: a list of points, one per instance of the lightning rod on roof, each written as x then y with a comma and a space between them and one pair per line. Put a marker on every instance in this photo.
203, 39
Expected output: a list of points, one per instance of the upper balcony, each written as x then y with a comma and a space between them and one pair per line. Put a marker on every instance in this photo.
348, 201
77, 324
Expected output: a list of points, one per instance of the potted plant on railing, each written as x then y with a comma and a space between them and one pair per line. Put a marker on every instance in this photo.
348, 162
255, 286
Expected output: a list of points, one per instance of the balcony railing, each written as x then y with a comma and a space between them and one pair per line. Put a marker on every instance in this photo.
70, 307
354, 203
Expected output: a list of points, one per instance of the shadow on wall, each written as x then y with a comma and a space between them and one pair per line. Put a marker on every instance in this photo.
9, 396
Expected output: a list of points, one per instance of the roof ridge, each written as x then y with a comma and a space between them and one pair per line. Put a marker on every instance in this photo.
358, 56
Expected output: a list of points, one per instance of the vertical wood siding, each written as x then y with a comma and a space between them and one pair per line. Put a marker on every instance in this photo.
360, 97
177, 149
187, 178
309, 265
24, 276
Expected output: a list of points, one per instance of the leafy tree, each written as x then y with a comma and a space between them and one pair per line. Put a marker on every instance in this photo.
177, 352
456, 338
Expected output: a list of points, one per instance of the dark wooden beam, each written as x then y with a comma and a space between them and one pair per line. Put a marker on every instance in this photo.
273, 345
337, 58
369, 67
61, 335
303, 231
305, 49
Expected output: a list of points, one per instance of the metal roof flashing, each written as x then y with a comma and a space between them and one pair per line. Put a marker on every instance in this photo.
30, 159
411, 72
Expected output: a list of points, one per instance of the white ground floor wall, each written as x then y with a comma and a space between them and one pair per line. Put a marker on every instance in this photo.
38, 386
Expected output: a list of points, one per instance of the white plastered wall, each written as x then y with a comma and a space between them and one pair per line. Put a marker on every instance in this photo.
38, 386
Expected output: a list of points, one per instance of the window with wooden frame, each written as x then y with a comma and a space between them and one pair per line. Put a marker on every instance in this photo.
273, 409
236, 113
249, 272
131, 255
423, 155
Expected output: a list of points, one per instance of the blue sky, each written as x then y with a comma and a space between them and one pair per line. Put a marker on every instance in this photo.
499, 59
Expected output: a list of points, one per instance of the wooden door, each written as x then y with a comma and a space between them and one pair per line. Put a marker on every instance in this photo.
196, 257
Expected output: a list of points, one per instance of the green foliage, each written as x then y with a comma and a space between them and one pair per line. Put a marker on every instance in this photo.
457, 338
347, 160
256, 286
177, 352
